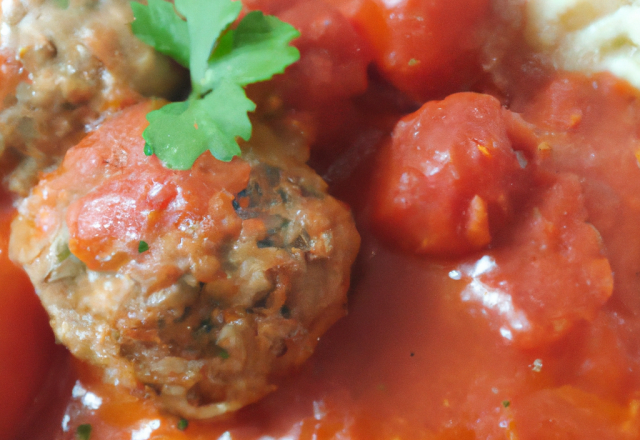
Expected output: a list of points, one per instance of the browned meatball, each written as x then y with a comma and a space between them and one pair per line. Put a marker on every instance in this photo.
64, 67
202, 285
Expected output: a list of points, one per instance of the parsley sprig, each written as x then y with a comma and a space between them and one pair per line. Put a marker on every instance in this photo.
222, 60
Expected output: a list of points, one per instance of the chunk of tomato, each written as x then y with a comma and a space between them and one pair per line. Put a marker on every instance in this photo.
450, 178
333, 56
549, 240
426, 48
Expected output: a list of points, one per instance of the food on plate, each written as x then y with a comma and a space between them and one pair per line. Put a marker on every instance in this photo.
191, 260
67, 65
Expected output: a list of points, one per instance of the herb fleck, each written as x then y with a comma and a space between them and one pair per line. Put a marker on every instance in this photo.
143, 246
222, 353
83, 432
506, 403
183, 424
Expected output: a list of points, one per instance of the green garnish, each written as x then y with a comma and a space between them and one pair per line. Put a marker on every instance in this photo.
222, 60
159, 26
83, 432
143, 246
222, 353
506, 403
183, 424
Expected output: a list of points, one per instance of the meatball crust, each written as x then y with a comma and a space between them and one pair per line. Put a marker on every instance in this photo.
60, 81
200, 287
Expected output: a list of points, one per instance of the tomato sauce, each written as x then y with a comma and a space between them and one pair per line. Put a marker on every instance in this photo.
416, 359
422, 355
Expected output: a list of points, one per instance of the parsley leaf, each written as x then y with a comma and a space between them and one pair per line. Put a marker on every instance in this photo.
222, 60
210, 123
255, 51
206, 20
158, 26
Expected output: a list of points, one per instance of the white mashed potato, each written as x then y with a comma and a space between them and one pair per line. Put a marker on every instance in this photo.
588, 35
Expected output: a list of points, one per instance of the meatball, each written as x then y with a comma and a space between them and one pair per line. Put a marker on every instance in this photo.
198, 287
59, 81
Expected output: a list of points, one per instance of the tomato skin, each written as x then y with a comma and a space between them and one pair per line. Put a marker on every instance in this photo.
27, 345
426, 48
450, 178
333, 56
